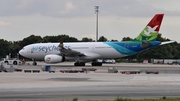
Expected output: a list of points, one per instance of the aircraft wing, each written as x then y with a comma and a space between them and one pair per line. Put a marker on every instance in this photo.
68, 51
167, 42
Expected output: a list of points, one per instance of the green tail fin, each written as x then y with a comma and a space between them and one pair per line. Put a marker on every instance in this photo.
151, 31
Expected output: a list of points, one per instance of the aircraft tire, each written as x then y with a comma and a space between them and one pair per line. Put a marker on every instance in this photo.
96, 63
82, 64
79, 64
15, 63
76, 64
34, 63
99, 63
93, 64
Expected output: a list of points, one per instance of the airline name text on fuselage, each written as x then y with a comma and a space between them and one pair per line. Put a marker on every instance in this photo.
46, 49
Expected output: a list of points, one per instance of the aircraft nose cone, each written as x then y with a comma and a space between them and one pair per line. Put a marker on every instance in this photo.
21, 52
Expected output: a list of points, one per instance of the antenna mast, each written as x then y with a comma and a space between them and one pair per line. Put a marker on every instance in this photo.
96, 11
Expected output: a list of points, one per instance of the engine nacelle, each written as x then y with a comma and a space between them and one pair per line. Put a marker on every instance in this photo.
52, 58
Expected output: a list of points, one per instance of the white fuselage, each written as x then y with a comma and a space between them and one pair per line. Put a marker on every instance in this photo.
92, 50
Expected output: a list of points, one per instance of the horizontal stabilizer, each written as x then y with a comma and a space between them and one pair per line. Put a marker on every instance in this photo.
167, 42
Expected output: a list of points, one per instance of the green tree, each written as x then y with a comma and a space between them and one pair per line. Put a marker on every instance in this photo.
59, 38
102, 39
14, 48
112, 40
4, 48
85, 39
66, 38
169, 51
126, 39
30, 40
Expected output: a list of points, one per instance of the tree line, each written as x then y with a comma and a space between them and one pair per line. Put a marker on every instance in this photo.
169, 51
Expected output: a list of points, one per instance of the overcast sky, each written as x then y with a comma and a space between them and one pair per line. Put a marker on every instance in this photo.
117, 18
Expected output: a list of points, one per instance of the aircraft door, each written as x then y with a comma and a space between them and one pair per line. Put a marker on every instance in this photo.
126, 46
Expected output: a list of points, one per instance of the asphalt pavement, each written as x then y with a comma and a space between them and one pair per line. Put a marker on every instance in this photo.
92, 85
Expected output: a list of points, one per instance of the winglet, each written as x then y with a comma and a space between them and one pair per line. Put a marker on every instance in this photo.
150, 32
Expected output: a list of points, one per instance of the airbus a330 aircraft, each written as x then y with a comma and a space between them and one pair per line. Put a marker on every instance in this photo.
82, 52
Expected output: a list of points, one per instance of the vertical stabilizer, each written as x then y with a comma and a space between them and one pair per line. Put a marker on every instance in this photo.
150, 32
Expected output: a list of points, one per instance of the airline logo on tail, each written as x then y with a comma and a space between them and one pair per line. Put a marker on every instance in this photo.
150, 32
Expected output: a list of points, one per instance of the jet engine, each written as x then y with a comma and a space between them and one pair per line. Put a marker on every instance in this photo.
53, 58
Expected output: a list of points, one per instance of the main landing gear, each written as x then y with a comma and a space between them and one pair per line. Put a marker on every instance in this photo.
79, 64
34, 63
94, 63
83, 63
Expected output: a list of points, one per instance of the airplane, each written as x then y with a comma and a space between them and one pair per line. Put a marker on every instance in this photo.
82, 52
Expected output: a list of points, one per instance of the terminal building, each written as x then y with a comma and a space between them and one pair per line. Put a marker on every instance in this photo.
166, 61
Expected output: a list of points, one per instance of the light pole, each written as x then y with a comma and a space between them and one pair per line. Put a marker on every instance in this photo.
96, 11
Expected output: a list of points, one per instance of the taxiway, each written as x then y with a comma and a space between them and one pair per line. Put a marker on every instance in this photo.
96, 85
